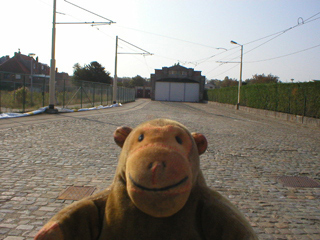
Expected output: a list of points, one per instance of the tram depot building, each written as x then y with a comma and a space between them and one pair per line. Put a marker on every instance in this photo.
177, 84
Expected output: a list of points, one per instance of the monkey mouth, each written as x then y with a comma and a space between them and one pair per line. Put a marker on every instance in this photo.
158, 189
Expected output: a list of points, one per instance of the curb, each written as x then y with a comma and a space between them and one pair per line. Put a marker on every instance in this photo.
315, 122
59, 110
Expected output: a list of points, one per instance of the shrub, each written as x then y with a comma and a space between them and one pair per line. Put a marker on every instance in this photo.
21, 94
295, 98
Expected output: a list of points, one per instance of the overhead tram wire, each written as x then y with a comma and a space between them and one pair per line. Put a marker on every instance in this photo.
146, 52
269, 59
306, 49
284, 31
89, 11
173, 38
78, 19
264, 43
206, 59
312, 17
224, 71
287, 29
278, 34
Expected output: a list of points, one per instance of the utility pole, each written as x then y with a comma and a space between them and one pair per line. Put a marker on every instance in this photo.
52, 81
115, 79
240, 81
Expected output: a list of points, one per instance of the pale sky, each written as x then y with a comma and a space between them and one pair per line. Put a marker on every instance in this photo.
194, 33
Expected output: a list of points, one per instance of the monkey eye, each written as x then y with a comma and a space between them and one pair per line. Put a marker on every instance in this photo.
179, 140
141, 137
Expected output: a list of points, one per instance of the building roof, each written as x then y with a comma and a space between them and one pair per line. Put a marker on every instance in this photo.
20, 63
15, 66
178, 67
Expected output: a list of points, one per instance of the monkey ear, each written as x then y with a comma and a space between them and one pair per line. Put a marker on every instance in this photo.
201, 142
121, 134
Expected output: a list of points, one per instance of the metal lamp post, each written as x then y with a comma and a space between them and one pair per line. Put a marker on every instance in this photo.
240, 81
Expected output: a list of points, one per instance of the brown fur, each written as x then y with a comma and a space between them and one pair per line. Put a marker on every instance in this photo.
158, 193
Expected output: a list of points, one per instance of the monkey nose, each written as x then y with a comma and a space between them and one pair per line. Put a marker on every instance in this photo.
153, 166
157, 169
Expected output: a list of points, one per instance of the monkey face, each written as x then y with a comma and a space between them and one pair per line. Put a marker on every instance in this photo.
158, 167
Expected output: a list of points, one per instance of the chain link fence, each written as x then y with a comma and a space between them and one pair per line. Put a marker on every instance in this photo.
23, 93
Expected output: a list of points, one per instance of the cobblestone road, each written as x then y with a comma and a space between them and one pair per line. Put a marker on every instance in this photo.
42, 155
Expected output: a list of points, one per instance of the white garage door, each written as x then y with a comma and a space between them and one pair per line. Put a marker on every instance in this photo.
177, 92
192, 92
162, 91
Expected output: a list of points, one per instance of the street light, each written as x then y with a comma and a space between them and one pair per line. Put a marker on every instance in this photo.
240, 81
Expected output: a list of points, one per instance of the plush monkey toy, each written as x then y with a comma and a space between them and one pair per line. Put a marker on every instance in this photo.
158, 192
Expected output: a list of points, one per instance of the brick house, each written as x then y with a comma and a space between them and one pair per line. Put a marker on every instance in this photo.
20, 64
177, 83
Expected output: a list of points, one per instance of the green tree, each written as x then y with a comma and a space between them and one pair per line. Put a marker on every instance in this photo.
216, 82
93, 72
124, 81
229, 82
263, 79
138, 81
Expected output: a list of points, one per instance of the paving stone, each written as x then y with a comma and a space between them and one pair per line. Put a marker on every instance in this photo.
245, 156
4, 230
8, 225
14, 238
25, 227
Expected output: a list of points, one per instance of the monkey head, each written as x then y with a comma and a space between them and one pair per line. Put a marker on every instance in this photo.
159, 164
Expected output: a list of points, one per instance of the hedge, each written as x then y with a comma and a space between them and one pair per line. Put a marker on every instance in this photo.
294, 98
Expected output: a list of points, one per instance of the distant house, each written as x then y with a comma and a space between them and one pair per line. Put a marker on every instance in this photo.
209, 86
20, 64
3, 59
177, 83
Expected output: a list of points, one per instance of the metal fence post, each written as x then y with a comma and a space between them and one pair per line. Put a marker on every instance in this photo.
94, 92
81, 94
101, 86
289, 96
24, 94
43, 90
107, 90
64, 92
305, 104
